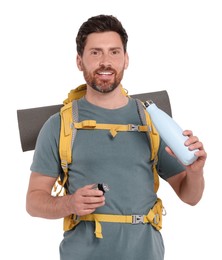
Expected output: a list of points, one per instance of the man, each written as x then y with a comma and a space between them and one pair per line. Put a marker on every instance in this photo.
121, 162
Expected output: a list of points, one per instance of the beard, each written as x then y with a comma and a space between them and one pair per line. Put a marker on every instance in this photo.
100, 85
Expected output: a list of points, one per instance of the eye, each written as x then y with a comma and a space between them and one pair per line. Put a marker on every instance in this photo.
95, 52
115, 52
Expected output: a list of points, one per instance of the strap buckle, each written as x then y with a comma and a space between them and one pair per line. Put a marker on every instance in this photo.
75, 218
133, 128
64, 165
137, 219
156, 219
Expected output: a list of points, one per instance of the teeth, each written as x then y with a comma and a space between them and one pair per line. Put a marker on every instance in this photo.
105, 73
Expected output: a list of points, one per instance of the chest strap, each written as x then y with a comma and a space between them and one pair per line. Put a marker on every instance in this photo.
113, 128
154, 217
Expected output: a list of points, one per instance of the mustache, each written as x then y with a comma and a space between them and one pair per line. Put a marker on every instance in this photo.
105, 69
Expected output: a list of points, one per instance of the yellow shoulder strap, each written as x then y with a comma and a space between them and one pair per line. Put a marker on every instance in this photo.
154, 143
154, 139
65, 143
66, 135
75, 94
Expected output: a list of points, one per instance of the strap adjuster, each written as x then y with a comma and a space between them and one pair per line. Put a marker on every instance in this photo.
156, 219
64, 165
133, 128
137, 219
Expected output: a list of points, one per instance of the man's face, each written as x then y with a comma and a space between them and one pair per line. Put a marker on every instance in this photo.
103, 61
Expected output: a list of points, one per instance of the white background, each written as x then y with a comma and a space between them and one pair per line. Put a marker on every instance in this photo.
173, 45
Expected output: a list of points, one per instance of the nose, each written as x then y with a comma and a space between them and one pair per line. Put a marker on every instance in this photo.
105, 60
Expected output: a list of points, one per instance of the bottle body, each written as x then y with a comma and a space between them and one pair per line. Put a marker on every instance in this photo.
171, 133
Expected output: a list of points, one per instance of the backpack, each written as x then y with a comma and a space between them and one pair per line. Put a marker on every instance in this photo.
69, 127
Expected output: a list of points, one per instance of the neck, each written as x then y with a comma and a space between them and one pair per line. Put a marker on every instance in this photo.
112, 100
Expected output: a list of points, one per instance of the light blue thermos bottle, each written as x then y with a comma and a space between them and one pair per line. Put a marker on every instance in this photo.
171, 133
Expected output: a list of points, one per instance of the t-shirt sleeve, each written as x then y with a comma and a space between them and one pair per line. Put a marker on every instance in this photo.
167, 166
46, 155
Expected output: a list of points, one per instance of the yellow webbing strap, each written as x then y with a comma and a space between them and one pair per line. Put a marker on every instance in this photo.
114, 128
154, 217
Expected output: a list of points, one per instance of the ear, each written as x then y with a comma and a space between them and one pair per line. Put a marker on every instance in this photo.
79, 62
126, 61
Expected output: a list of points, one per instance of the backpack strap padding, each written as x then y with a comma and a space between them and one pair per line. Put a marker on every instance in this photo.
154, 140
68, 113
66, 133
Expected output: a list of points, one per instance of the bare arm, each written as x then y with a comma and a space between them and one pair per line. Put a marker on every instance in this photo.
40, 202
189, 184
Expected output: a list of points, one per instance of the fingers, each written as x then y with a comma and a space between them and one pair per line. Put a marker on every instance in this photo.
86, 200
89, 190
194, 143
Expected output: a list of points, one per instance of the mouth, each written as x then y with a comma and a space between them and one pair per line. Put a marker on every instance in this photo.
105, 74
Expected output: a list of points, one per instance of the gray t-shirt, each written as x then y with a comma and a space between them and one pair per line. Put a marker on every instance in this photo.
123, 163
